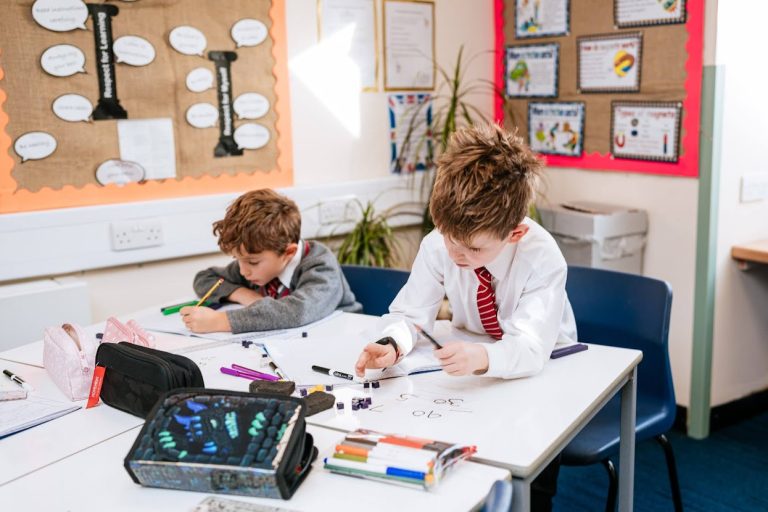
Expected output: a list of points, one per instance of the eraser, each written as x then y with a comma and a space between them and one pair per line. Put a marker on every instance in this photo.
318, 401
279, 387
304, 334
375, 384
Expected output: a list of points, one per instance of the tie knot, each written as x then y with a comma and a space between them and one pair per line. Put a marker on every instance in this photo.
483, 274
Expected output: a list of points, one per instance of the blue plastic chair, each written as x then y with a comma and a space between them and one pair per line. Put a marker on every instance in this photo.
630, 311
499, 498
375, 288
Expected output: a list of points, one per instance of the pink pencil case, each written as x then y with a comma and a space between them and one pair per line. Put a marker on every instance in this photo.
69, 355
115, 331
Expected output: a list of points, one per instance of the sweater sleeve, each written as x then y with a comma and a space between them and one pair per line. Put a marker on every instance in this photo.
208, 277
317, 292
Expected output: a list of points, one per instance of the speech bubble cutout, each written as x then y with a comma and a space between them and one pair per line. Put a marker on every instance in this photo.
251, 136
63, 60
200, 79
188, 40
72, 107
250, 105
34, 146
202, 115
119, 172
60, 15
248, 32
133, 50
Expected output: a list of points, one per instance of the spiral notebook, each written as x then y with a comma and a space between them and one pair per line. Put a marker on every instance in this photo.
18, 415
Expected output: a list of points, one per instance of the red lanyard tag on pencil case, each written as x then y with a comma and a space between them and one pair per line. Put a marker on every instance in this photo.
98, 380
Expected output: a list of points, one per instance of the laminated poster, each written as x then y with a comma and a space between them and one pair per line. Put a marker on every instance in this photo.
609, 63
531, 70
556, 128
646, 130
541, 18
643, 13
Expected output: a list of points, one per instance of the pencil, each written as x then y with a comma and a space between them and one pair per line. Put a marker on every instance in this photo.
209, 292
428, 336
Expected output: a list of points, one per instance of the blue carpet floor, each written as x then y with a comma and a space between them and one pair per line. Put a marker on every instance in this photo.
728, 471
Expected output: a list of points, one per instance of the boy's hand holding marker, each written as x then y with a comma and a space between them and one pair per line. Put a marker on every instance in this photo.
456, 358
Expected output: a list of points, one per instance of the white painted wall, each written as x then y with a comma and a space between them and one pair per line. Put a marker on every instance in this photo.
740, 352
326, 151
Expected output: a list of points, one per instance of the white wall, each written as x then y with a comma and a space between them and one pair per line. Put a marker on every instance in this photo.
327, 148
670, 253
740, 351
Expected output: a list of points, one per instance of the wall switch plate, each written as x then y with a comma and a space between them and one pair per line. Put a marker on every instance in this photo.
754, 187
136, 234
336, 210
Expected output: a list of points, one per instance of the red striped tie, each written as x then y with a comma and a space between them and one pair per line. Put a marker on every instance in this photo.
272, 288
486, 304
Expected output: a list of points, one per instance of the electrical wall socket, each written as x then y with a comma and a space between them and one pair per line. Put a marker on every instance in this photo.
335, 210
754, 187
136, 234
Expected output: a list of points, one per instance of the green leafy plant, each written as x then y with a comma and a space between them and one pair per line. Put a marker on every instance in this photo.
371, 241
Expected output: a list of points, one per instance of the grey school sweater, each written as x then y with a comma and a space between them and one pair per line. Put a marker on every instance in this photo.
317, 289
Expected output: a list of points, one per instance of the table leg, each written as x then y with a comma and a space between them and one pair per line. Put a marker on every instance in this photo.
521, 495
627, 444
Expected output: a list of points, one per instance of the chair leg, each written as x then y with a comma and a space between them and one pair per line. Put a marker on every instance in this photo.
674, 483
613, 485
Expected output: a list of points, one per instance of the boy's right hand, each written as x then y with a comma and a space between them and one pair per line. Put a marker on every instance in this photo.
375, 356
202, 319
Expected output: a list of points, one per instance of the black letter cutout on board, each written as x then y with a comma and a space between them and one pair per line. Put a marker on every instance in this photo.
227, 145
108, 106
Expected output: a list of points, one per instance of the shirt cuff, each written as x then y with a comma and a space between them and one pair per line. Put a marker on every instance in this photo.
496, 359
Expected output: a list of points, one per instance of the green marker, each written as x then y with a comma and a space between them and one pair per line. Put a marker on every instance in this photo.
169, 310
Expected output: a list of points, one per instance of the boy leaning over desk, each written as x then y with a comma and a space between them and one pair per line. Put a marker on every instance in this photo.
282, 280
503, 274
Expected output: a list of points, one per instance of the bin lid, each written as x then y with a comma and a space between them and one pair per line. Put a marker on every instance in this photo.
593, 221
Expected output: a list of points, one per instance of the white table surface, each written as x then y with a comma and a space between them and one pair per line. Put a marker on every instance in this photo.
95, 480
514, 423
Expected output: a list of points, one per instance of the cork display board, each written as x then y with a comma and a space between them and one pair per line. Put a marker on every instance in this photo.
669, 72
194, 91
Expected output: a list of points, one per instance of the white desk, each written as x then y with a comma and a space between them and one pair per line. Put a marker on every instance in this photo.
95, 480
519, 424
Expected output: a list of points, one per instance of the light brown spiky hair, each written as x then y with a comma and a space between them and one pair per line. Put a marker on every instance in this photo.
486, 179
259, 220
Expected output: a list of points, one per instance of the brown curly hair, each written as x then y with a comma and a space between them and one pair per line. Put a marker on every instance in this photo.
259, 220
486, 180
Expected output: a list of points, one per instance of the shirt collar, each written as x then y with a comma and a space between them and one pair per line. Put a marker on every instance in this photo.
287, 274
499, 267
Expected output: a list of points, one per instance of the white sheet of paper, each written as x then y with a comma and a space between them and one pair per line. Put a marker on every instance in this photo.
149, 143
540, 18
648, 12
337, 15
532, 70
16, 415
645, 131
409, 45
610, 63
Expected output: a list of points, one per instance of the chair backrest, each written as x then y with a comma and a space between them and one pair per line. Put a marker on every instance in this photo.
630, 311
375, 288
499, 498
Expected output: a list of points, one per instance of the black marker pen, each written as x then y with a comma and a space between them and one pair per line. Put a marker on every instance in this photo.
335, 373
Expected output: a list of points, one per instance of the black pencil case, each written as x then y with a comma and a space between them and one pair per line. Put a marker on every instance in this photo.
230, 442
135, 377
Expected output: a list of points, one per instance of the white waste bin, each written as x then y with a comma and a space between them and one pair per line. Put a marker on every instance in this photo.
598, 235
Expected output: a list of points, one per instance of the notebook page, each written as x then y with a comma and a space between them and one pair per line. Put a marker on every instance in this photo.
17, 415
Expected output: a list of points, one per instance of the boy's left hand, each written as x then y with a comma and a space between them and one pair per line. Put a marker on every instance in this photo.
202, 319
462, 358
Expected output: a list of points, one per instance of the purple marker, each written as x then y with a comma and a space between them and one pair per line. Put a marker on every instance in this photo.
258, 374
568, 350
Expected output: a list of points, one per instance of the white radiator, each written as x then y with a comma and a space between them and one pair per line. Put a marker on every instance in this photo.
26, 309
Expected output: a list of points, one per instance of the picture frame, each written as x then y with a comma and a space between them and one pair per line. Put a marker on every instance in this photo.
532, 70
556, 128
646, 130
609, 62
542, 18
648, 13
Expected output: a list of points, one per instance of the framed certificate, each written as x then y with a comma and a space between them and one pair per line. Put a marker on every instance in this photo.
409, 45
643, 13
556, 128
532, 70
410, 132
609, 63
646, 130
541, 18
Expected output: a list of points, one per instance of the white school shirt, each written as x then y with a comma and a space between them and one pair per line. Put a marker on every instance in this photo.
529, 282
287, 274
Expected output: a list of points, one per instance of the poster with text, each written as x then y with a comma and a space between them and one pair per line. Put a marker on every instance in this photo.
410, 132
609, 63
645, 131
541, 18
353, 24
409, 45
556, 128
532, 70
641, 13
